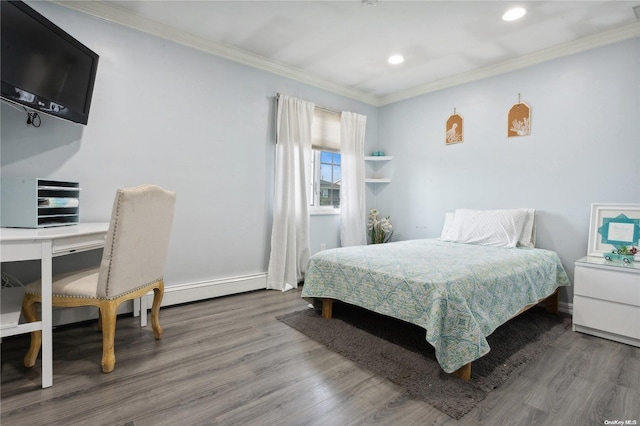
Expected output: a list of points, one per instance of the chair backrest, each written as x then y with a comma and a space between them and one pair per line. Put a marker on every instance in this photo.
137, 242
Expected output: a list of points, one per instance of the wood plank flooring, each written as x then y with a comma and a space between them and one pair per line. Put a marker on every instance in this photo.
228, 361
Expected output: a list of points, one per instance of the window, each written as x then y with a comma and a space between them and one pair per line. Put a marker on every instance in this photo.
327, 176
325, 167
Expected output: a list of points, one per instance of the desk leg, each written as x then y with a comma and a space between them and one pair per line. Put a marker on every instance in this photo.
140, 309
143, 311
136, 307
47, 322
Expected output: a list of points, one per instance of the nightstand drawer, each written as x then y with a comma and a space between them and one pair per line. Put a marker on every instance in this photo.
607, 316
619, 286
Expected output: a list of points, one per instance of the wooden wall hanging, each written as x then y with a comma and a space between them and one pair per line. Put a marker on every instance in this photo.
454, 129
519, 120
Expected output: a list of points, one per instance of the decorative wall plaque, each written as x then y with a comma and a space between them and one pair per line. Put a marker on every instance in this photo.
519, 120
454, 129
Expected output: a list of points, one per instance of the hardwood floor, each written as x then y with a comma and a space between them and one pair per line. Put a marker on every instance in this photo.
228, 361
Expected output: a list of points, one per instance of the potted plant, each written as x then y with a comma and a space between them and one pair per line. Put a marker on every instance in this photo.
380, 231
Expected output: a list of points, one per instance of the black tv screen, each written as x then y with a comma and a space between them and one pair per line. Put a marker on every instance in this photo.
44, 68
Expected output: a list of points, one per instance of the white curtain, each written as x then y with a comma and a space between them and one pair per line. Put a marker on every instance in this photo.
290, 233
353, 225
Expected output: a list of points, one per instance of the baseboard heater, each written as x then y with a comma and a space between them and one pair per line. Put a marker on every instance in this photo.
173, 295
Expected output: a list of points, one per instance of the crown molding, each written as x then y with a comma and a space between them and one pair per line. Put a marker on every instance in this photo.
622, 33
112, 13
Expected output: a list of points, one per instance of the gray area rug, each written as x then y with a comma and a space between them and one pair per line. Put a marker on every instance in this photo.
399, 352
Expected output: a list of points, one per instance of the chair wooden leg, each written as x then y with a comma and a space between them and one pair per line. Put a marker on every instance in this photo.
108, 311
99, 320
30, 312
158, 294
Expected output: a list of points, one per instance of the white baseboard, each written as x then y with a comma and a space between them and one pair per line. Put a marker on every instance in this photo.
173, 295
565, 307
191, 292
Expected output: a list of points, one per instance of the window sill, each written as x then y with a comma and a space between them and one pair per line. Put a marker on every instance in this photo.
323, 212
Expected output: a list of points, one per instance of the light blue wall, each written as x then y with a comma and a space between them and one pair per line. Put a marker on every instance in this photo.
584, 148
167, 114
203, 126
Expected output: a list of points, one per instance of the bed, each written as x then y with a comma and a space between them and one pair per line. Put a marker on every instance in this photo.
459, 290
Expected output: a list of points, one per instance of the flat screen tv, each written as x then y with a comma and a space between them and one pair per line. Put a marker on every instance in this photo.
43, 68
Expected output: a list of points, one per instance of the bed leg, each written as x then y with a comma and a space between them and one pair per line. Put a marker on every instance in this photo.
327, 307
552, 302
463, 372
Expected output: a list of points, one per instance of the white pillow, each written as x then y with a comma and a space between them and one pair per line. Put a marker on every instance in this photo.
528, 237
446, 228
497, 228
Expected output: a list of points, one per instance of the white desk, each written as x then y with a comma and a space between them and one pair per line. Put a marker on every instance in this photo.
46, 243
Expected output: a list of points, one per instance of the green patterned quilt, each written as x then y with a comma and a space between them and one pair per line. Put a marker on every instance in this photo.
459, 293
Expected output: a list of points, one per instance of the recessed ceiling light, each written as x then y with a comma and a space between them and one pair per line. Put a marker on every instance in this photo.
395, 59
513, 14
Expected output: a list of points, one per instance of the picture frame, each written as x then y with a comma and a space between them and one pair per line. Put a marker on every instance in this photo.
611, 226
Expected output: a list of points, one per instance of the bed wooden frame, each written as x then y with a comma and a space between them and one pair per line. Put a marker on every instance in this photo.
551, 305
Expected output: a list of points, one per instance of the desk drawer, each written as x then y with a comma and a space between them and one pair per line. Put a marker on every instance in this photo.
13, 251
77, 244
605, 284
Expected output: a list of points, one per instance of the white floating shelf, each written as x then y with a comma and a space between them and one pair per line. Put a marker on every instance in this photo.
378, 158
372, 180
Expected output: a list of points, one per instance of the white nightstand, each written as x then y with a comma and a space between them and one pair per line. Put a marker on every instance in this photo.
606, 301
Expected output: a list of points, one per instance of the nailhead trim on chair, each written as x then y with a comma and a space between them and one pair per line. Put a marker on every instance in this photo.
103, 298
113, 241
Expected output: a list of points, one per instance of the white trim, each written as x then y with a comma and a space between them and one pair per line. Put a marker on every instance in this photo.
192, 292
565, 49
565, 307
323, 211
173, 295
112, 13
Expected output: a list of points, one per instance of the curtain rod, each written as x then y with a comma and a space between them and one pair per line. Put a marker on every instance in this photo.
324, 108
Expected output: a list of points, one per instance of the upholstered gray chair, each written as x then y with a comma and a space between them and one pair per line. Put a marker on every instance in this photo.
132, 264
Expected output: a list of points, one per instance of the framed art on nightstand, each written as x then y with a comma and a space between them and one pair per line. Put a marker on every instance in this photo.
612, 226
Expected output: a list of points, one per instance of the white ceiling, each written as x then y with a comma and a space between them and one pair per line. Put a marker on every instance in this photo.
342, 46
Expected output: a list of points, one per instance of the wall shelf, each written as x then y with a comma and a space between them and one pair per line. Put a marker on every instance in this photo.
375, 158
373, 166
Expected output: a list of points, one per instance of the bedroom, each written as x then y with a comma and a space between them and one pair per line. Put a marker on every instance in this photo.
181, 133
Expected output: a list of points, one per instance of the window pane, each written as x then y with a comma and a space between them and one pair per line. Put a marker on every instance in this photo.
337, 174
328, 174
